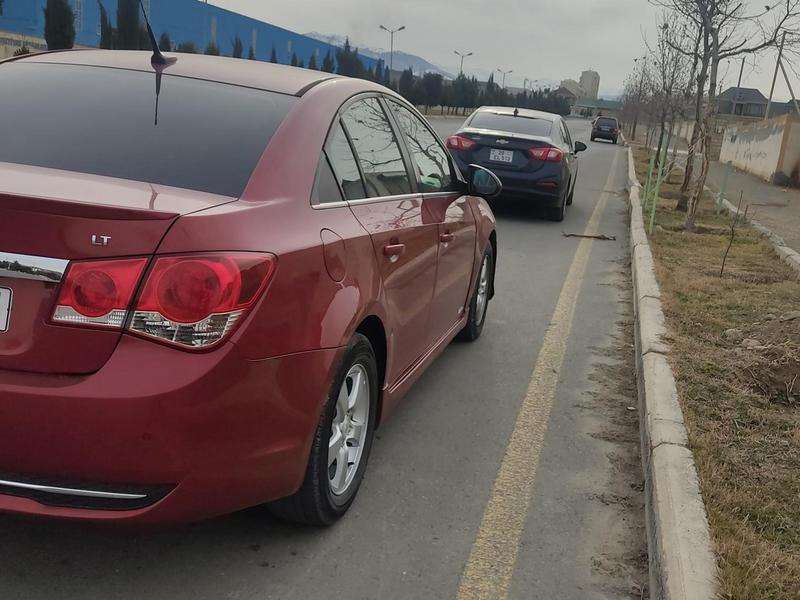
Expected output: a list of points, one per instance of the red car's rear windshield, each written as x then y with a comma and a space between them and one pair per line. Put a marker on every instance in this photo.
208, 136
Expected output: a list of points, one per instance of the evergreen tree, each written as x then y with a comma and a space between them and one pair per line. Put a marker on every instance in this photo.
327, 63
312, 62
381, 75
59, 25
251, 55
106, 29
212, 49
238, 48
301, 64
165, 42
22, 50
348, 61
432, 84
273, 57
406, 87
129, 30
187, 48
294, 59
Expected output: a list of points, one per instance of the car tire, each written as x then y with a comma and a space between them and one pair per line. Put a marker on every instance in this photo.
615, 141
591, 138
318, 501
556, 213
477, 308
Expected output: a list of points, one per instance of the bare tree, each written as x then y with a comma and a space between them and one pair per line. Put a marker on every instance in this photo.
671, 72
726, 29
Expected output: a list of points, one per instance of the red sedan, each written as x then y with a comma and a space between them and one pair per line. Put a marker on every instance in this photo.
216, 280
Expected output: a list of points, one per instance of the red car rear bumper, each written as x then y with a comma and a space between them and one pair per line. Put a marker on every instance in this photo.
214, 431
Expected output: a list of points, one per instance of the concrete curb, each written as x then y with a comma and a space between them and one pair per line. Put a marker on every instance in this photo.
788, 255
682, 561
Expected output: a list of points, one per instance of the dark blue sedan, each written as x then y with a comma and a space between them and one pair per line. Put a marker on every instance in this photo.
532, 153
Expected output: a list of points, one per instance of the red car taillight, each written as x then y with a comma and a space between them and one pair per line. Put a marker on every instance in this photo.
98, 292
196, 300
547, 153
191, 300
459, 142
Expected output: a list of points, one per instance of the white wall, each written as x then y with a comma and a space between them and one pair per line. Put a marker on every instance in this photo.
790, 165
755, 148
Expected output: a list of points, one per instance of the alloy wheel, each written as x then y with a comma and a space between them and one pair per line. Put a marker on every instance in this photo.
483, 291
349, 429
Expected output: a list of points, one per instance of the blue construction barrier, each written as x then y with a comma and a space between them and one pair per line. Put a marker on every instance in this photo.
184, 21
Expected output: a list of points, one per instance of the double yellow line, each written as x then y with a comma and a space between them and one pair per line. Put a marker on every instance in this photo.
491, 563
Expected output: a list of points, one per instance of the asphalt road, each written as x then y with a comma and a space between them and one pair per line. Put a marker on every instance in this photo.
512, 464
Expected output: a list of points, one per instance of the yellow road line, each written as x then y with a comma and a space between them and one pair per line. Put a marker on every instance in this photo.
490, 567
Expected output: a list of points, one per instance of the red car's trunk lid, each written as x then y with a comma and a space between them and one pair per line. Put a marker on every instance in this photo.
48, 218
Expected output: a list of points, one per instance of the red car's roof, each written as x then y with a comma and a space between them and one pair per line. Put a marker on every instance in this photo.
267, 76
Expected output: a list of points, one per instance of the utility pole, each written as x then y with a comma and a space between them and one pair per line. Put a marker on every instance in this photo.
391, 33
738, 88
775, 76
504, 75
791, 91
463, 56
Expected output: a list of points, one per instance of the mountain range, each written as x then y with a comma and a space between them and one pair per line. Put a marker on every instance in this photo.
402, 60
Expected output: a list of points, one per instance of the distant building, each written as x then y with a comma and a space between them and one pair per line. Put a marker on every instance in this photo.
745, 102
572, 86
596, 108
590, 84
566, 94
587, 88
777, 109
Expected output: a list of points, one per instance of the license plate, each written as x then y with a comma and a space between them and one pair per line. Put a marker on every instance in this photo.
604, 129
505, 156
5, 308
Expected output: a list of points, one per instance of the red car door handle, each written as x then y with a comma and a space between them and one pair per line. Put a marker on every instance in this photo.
446, 238
394, 249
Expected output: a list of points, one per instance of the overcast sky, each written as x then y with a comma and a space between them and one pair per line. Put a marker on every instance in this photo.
538, 39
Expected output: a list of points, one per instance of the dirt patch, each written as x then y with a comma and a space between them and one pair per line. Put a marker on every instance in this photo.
737, 366
620, 562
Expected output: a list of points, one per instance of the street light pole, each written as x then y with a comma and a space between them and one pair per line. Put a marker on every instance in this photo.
463, 56
391, 33
504, 75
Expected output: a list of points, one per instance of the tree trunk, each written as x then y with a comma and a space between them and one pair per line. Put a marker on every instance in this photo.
707, 131
683, 203
661, 131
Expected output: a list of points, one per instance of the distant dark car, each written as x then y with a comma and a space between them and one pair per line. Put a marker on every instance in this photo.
605, 128
532, 153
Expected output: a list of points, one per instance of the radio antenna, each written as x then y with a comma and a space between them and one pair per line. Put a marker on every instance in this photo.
158, 58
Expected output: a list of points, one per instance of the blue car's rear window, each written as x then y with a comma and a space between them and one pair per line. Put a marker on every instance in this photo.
511, 124
209, 136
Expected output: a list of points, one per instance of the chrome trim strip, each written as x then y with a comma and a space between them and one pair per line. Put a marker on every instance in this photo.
23, 266
324, 205
71, 492
443, 194
378, 199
